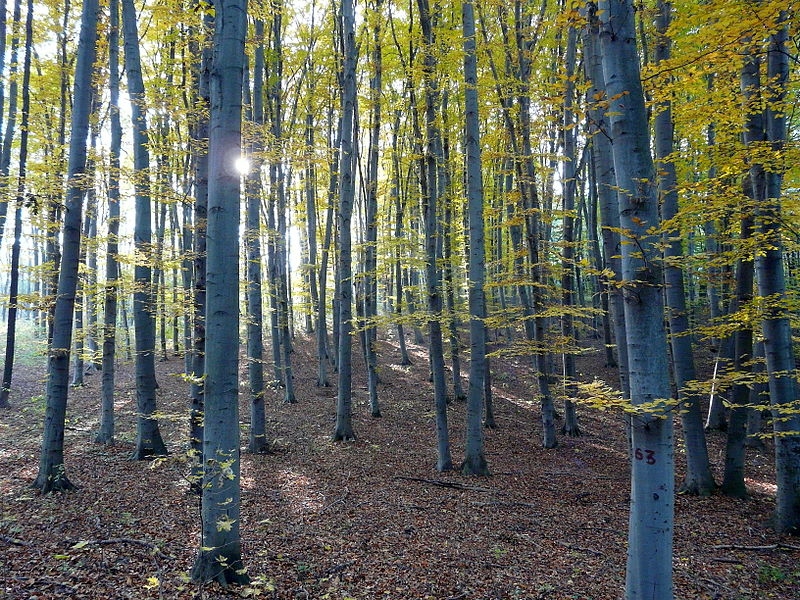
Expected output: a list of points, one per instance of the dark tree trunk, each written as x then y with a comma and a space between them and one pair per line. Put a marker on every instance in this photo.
474, 457
52, 473
220, 556
106, 433
698, 480
343, 430
13, 298
148, 436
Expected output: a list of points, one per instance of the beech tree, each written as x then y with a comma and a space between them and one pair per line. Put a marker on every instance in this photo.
52, 472
220, 556
649, 573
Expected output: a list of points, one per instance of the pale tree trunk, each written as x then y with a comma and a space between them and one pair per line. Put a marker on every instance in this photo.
649, 572
474, 457
106, 433
52, 473
759, 396
733, 483
606, 181
770, 276
698, 480
533, 234
324, 355
148, 436
220, 556
343, 430
447, 248
278, 183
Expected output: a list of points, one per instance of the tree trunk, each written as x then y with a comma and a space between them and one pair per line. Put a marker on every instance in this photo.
106, 433
474, 457
343, 430
605, 178
13, 299
52, 473
568, 278
430, 196
200, 152
148, 435
220, 556
649, 573
698, 480
776, 327
255, 330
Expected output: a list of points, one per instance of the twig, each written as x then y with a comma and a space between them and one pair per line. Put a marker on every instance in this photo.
14, 541
132, 541
721, 559
336, 568
447, 484
778, 546
525, 504
580, 549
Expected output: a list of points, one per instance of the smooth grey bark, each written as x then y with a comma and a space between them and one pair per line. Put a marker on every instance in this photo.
770, 275
200, 156
649, 569
447, 271
13, 298
278, 185
255, 329
430, 194
52, 472
398, 234
343, 430
759, 396
220, 556
371, 250
698, 479
603, 164
105, 435
568, 278
81, 334
148, 436
474, 457
11, 316
733, 483
324, 355
533, 230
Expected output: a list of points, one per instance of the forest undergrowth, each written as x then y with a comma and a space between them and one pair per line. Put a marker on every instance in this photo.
372, 518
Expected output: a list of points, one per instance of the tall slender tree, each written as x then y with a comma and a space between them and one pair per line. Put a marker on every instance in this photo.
343, 430
106, 433
474, 457
52, 472
649, 572
220, 556
148, 435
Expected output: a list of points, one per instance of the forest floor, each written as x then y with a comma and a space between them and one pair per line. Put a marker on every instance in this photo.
358, 520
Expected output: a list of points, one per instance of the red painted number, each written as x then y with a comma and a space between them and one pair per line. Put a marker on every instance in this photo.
648, 456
